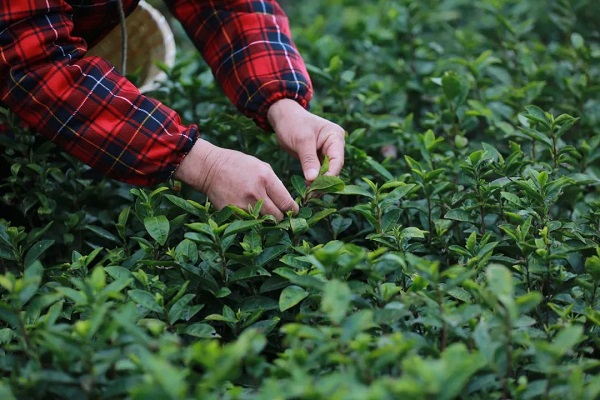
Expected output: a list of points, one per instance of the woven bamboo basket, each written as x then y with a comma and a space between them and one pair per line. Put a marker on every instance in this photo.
149, 40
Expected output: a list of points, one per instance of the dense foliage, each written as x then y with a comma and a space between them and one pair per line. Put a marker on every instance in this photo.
457, 256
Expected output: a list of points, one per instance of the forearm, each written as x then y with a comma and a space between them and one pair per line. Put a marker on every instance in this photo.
249, 48
83, 104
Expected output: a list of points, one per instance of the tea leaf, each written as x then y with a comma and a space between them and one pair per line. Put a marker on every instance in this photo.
451, 85
145, 300
324, 166
327, 184
36, 251
158, 227
336, 300
299, 185
240, 226
356, 191
201, 331
290, 296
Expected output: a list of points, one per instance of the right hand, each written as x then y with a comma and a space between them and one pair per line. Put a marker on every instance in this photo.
231, 177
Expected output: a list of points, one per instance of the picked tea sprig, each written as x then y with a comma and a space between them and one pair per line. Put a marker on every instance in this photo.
322, 184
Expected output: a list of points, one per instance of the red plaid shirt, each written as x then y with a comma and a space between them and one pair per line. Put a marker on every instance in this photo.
85, 106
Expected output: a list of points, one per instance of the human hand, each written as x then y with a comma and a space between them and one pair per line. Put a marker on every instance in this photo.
231, 177
307, 137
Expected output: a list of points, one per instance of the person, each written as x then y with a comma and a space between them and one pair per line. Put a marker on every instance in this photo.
84, 105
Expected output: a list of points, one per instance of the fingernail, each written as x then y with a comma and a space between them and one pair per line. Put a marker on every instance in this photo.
311, 174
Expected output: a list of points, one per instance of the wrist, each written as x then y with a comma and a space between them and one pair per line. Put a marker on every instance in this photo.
278, 111
196, 166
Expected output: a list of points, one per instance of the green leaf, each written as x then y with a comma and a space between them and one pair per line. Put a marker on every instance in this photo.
529, 301
459, 364
324, 166
458, 215
290, 296
123, 216
500, 282
542, 178
392, 198
577, 40
158, 227
299, 184
254, 303
32, 281
357, 322
186, 251
203, 228
471, 242
567, 338
592, 267
320, 215
460, 294
187, 205
380, 168
6, 392
75, 295
390, 219
10, 316
355, 190
338, 225
103, 233
271, 253
4, 238
536, 114
299, 225
221, 318
240, 226
167, 380
511, 198
145, 299
36, 251
336, 300
247, 273
222, 292
451, 85
538, 136
327, 184
413, 232
566, 123
176, 310
272, 284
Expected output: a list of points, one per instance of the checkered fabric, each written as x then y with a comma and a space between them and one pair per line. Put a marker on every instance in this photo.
85, 106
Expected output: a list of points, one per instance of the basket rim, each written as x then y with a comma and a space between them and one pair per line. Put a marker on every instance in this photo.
164, 38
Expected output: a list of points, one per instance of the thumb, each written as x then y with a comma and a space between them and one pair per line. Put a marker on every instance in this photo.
307, 154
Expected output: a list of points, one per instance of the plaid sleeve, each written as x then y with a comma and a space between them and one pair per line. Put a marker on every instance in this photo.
249, 48
82, 103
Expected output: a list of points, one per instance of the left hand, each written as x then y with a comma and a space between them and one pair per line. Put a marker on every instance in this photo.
307, 137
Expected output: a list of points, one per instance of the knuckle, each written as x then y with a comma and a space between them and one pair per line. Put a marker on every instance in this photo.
309, 158
338, 129
287, 204
264, 172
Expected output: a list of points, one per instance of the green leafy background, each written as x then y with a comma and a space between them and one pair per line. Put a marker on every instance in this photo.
456, 257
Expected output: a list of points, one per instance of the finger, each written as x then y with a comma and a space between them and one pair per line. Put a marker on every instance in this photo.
334, 148
307, 154
280, 197
269, 208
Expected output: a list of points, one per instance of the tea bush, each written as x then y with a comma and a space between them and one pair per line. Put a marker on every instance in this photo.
456, 257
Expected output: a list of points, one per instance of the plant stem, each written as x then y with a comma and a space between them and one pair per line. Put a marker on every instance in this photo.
444, 337
555, 154
509, 356
429, 221
380, 218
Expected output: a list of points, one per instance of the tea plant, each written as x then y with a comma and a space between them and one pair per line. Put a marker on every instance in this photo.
457, 256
